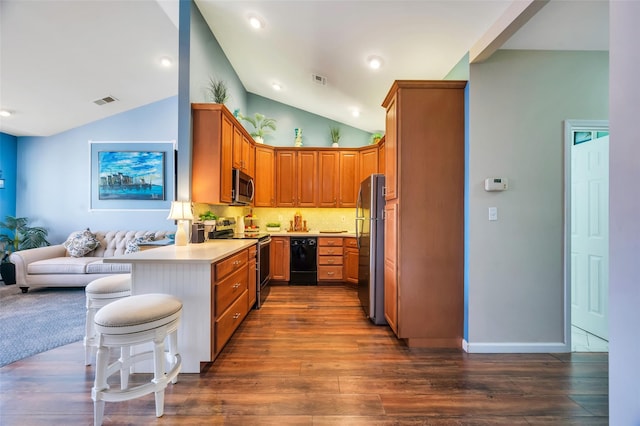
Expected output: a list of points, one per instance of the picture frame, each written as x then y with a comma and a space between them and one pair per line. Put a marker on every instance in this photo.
132, 175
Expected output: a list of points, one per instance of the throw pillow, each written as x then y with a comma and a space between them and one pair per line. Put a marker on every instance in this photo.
134, 245
81, 243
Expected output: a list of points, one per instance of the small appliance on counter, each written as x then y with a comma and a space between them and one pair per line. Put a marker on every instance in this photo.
197, 233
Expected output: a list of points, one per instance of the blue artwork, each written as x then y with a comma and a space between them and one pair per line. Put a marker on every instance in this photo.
131, 175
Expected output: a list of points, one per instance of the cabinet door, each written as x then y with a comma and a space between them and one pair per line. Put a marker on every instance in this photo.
328, 182
286, 178
307, 182
248, 156
381, 157
264, 177
237, 149
226, 160
391, 150
368, 162
349, 179
279, 258
391, 266
351, 260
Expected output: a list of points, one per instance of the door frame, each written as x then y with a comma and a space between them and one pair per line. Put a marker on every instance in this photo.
569, 127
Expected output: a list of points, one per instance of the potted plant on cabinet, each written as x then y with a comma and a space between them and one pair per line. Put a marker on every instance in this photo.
375, 138
20, 237
262, 125
335, 136
218, 90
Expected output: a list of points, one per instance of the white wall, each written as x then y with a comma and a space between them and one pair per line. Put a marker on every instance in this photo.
518, 101
624, 215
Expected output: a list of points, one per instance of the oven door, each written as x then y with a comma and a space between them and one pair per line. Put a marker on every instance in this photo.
263, 271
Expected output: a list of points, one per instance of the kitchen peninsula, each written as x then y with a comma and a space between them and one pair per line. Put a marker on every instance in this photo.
214, 283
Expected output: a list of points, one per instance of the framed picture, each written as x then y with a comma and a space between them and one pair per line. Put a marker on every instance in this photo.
132, 175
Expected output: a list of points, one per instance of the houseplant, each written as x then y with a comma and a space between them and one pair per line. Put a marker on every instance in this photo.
375, 138
20, 236
218, 90
261, 124
335, 136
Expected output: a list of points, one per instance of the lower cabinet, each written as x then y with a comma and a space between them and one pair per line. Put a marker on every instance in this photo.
330, 254
350, 247
230, 297
279, 258
253, 279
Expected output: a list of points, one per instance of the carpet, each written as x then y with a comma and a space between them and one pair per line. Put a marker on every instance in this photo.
40, 320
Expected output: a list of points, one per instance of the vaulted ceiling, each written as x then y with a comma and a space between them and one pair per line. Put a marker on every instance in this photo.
58, 57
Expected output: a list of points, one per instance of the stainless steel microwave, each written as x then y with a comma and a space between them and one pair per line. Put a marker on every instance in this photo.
243, 188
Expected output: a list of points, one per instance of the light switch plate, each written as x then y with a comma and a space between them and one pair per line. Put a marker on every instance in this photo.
493, 213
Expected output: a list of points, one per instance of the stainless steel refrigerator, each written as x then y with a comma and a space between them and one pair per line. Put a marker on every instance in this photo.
370, 236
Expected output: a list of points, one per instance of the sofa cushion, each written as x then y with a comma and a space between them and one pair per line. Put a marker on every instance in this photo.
134, 244
99, 267
80, 243
60, 265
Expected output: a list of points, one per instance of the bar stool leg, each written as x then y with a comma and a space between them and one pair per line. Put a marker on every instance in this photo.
125, 368
159, 373
88, 333
102, 360
173, 351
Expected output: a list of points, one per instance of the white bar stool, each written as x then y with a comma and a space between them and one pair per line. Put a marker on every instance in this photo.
100, 292
131, 321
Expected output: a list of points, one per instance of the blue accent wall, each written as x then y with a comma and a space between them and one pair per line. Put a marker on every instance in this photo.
8, 156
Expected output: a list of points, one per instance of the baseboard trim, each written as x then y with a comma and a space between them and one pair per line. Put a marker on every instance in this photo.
486, 348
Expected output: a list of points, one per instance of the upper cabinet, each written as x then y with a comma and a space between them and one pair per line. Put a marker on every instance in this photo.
368, 162
296, 178
349, 178
220, 143
329, 184
265, 178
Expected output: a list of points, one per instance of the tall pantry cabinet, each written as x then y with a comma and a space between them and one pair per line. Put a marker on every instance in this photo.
424, 169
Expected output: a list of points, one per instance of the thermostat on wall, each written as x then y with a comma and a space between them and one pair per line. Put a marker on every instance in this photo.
495, 184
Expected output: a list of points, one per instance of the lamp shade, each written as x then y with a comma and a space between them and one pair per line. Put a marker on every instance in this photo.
181, 210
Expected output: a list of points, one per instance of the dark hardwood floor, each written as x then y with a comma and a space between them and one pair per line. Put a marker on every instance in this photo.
309, 357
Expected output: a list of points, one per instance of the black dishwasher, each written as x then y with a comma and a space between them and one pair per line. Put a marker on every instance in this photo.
303, 270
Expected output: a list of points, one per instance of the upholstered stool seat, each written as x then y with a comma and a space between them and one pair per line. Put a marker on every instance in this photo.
134, 320
100, 292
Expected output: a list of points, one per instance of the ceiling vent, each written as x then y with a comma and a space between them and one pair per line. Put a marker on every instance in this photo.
322, 81
105, 100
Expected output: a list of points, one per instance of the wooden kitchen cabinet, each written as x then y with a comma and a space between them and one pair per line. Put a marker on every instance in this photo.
424, 169
265, 178
230, 297
296, 178
213, 127
279, 258
349, 179
328, 181
330, 254
368, 162
350, 247
381, 156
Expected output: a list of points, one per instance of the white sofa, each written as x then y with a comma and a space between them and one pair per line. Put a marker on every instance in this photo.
52, 266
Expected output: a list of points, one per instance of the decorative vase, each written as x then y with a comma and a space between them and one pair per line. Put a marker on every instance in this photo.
335, 145
258, 139
298, 134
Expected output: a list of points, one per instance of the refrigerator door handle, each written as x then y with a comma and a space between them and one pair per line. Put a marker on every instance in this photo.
358, 208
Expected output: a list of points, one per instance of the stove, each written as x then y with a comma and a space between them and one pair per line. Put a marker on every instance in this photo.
225, 229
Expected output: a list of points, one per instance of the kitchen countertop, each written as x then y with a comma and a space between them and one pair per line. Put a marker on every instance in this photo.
313, 233
207, 252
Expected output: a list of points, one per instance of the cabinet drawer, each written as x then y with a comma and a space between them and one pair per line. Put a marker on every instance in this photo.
330, 251
329, 260
329, 241
227, 323
230, 264
230, 288
326, 273
350, 242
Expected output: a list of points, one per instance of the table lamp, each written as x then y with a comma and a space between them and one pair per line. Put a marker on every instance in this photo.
181, 211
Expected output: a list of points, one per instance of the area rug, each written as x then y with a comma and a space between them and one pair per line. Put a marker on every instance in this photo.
42, 319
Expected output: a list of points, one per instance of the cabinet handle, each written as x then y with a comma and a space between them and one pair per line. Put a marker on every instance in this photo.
236, 285
236, 315
330, 251
236, 262
330, 273
330, 261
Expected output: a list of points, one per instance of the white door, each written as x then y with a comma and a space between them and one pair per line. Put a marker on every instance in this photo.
590, 235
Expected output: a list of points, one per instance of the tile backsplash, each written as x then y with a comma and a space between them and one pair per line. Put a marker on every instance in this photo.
318, 219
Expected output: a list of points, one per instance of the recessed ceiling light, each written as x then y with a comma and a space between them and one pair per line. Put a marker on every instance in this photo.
256, 22
276, 86
5, 113
355, 112
375, 62
166, 61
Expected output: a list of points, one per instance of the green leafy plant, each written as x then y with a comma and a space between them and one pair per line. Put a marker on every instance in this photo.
218, 90
20, 236
273, 225
208, 215
335, 134
261, 124
375, 138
